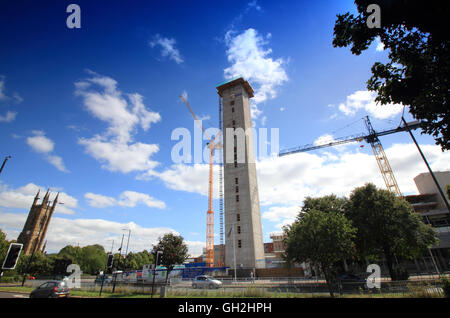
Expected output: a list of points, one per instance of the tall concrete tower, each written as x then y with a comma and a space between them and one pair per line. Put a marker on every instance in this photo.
36, 226
243, 232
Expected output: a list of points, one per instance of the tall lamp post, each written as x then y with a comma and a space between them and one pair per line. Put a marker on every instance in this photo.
118, 265
128, 241
4, 162
154, 270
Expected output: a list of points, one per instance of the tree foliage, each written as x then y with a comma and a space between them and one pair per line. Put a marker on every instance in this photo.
416, 36
386, 225
174, 251
321, 237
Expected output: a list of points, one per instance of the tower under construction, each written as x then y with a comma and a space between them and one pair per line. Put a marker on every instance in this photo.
244, 242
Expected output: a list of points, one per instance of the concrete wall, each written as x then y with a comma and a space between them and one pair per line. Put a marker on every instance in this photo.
426, 185
240, 180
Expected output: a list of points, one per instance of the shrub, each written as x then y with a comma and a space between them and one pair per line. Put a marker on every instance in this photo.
399, 273
446, 286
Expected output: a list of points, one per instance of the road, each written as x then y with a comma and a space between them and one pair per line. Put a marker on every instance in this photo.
12, 295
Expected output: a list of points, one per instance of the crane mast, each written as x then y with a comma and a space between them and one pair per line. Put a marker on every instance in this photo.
209, 213
382, 161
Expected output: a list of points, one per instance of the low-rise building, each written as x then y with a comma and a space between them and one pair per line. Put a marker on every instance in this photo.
431, 206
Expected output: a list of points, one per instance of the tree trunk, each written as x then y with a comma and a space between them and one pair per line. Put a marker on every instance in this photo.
328, 280
167, 276
389, 259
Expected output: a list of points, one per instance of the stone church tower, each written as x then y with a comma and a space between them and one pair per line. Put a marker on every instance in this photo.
36, 226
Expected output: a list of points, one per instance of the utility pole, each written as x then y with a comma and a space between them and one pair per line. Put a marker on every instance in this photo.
154, 270
234, 252
4, 162
118, 264
128, 241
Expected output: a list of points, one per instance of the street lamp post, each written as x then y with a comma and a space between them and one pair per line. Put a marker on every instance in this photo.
128, 241
4, 162
154, 270
118, 265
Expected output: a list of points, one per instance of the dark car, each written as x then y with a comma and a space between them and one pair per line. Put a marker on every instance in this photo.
350, 281
51, 289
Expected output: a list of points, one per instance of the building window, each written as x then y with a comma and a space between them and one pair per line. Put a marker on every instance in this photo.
235, 180
239, 243
237, 198
234, 123
239, 229
232, 109
232, 102
238, 217
235, 164
237, 189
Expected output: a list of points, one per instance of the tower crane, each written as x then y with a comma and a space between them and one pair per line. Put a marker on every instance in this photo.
374, 141
210, 213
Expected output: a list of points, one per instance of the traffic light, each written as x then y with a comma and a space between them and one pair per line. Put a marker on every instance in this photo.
109, 263
12, 256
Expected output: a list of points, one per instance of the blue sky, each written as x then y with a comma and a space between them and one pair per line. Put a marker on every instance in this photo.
89, 112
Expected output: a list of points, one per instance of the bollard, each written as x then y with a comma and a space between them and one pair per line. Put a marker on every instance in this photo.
162, 292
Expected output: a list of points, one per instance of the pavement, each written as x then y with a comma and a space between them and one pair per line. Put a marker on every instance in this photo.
4, 294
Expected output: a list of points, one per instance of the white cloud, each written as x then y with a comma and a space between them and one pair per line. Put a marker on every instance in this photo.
116, 156
365, 100
254, 4
115, 148
168, 49
99, 201
5, 98
2, 88
285, 181
249, 59
380, 45
22, 198
41, 144
57, 162
9, 117
190, 178
131, 198
126, 199
327, 139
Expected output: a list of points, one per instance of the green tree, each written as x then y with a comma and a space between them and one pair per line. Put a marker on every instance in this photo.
71, 252
136, 261
386, 225
41, 265
4, 245
328, 203
174, 251
93, 258
415, 35
322, 238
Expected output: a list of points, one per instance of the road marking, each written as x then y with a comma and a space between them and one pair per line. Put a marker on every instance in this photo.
20, 296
